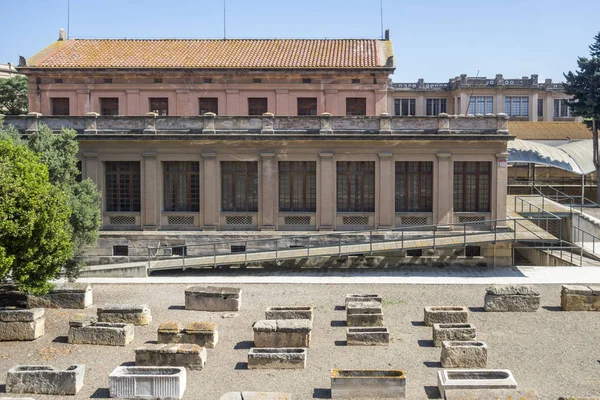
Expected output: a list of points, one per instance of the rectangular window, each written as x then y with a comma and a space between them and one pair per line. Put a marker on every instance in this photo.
355, 80
159, 105
257, 80
436, 106
307, 106
122, 189
472, 186
157, 80
404, 107
60, 105
356, 106
208, 104
107, 80
257, 105
481, 105
414, 186
181, 186
120, 251
207, 80
541, 108
516, 106
306, 80
109, 106
298, 186
561, 108
355, 186
239, 186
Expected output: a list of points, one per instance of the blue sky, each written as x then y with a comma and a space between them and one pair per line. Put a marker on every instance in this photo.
434, 40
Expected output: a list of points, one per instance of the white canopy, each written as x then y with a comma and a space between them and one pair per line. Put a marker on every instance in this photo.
575, 157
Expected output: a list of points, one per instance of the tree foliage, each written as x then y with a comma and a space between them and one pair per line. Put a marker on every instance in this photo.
35, 232
584, 87
13, 95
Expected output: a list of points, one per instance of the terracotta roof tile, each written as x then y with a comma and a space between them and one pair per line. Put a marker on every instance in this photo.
548, 130
212, 54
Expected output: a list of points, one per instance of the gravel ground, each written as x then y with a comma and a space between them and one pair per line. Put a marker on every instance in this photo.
553, 352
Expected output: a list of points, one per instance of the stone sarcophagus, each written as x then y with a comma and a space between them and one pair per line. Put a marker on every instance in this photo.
203, 334
282, 333
277, 358
512, 298
368, 384
367, 336
289, 312
84, 329
256, 396
368, 313
453, 332
65, 295
21, 324
467, 354
475, 379
166, 383
210, 298
138, 315
496, 394
45, 379
190, 356
445, 315
357, 297
580, 298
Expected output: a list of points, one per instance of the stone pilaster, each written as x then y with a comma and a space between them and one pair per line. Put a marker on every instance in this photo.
444, 191
90, 168
91, 127
267, 198
150, 201
184, 103
326, 187
385, 202
209, 186
32, 122
501, 177
133, 102
233, 96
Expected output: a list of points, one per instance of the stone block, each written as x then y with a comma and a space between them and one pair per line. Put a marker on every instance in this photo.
65, 295
453, 332
21, 324
511, 298
138, 315
203, 334
492, 394
210, 298
84, 329
166, 383
368, 313
367, 336
282, 333
453, 379
445, 315
190, 356
360, 384
464, 354
256, 396
580, 298
277, 358
361, 298
289, 312
45, 379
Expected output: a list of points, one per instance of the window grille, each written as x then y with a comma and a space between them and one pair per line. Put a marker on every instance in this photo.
307, 106
298, 186
122, 190
473, 220
257, 105
414, 186
180, 251
238, 248
414, 253
356, 106
415, 221
355, 186
122, 220
355, 220
238, 220
306, 80
180, 220
239, 186
296, 220
472, 186
473, 251
181, 186
120, 250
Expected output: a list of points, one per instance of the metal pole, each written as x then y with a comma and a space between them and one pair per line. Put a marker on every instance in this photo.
370, 242
276, 251
183, 255
245, 252
340, 245
402, 239
214, 255
434, 237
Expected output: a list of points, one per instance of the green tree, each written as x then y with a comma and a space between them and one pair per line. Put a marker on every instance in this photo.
13, 95
584, 87
35, 232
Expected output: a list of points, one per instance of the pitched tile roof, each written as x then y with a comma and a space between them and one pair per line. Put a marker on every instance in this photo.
548, 130
215, 54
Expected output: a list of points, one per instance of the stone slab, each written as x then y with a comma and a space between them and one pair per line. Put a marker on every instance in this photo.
190, 356
367, 384
453, 332
70, 295
580, 298
101, 333
367, 336
277, 358
211, 298
453, 379
45, 379
362, 297
166, 383
20, 315
511, 298
256, 396
138, 315
21, 324
445, 315
464, 354
492, 394
282, 333
289, 312
203, 334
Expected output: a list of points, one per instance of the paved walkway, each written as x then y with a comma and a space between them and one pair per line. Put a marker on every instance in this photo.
434, 276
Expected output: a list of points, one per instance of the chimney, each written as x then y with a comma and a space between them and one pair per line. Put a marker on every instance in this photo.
62, 34
387, 34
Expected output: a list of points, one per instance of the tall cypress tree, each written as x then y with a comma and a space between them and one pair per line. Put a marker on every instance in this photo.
584, 87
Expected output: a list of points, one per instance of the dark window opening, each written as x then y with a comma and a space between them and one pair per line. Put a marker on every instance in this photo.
414, 186
257, 80
58, 81
355, 186
298, 186
79, 177
238, 249
180, 251
208, 104
60, 105
414, 253
157, 80
239, 186
541, 108
355, 80
123, 186
207, 80
181, 186
109, 106
120, 250
307, 106
435, 106
107, 80
404, 107
356, 106
306, 80
472, 186
257, 105
473, 251
159, 105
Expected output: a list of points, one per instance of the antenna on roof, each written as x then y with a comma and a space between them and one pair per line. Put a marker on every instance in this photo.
224, 19
68, 17
381, 8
